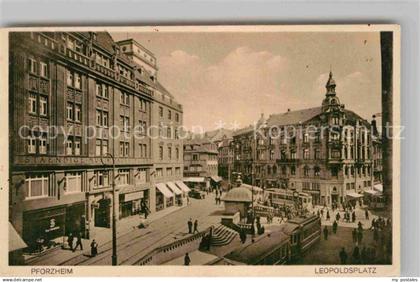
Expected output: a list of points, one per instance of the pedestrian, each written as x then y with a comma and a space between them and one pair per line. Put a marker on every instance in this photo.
359, 237
354, 234
195, 226
353, 216
373, 225
187, 259
242, 235
322, 212
79, 242
334, 227
360, 226
318, 213
70, 240
328, 215
190, 225
366, 214
325, 233
93, 248
375, 235
337, 217
356, 255
343, 256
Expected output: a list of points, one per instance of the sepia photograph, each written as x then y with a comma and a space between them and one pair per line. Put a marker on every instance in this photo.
203, 146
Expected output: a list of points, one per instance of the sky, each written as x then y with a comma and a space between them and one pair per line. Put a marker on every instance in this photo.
230, 79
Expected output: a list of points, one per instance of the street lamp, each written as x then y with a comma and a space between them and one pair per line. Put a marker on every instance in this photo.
114, 211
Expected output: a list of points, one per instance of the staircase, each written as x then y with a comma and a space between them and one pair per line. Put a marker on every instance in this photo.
222, 236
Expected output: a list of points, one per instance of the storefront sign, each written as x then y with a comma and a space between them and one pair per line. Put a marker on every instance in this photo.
133, 196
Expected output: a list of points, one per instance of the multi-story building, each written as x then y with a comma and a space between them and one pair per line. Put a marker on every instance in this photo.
76, 99
225, 157
200, 160
325, 151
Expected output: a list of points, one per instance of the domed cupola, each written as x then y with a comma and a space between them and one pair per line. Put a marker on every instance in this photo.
331, 101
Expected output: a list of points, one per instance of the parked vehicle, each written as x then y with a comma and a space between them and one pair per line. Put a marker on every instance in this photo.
196, 194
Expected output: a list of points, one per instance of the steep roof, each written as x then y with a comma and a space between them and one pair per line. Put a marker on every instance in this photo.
106, 41
244, 130
293, 117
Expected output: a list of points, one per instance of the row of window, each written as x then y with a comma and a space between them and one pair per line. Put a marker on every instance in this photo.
351, 170
38, 68
169, 114
169, 171
169, 153
38, 104
40, 186
74, 112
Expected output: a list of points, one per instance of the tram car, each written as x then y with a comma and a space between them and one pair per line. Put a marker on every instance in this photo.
283, 246
269, 249
284, 197
303, 234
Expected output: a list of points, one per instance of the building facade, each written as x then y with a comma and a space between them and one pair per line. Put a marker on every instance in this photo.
225, 157
200, 159
80, 101
325, 151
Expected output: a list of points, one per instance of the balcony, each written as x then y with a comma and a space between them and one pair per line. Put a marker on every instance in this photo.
287, 161
78, 57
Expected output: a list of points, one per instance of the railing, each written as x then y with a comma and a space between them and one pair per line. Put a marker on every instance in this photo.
78, 57
154, 257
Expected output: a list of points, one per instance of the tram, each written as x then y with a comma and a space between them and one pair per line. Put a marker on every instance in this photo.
282, 246
285, 197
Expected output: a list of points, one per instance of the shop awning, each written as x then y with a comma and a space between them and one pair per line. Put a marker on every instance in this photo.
216, 178
174, 188
371, 192
378, 187
183, 187
194, 179
354, 195
164, 190
15, 241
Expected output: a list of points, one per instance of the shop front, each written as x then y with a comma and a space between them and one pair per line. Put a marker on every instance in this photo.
164, 197
130, 203
41, 227
177, 192
76, 219
102, 213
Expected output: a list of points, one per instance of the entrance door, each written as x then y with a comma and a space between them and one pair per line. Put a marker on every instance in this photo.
103, 213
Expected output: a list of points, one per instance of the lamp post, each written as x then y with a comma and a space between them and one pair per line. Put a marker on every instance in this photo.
114, 212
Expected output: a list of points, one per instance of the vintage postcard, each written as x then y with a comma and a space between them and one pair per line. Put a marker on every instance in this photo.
200, 150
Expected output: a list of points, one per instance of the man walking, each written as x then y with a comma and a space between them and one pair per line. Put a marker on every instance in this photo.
187, 259
190, 225
328, 215
70, 241
359, 237
343, 256
195, 226
93, 248
334, 227
79, 242
366, 214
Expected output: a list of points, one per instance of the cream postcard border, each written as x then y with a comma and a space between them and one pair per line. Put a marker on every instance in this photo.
288, 270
